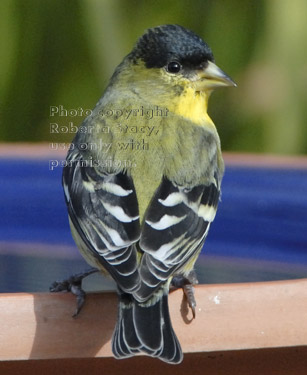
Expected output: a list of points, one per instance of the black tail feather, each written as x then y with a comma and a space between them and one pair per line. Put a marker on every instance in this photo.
147, 323
146, 327
171, 349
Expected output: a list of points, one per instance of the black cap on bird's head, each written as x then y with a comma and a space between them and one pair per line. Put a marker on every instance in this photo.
161, 44
179, 51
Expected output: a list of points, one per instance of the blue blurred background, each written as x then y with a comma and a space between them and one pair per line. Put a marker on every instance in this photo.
260, 232
62, 53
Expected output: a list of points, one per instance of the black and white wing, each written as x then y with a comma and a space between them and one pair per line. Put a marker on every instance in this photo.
103, 210
175, 228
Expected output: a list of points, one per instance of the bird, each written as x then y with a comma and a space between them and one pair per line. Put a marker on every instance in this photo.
142, 184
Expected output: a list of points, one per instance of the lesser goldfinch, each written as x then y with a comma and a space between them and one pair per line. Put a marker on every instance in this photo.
142, 182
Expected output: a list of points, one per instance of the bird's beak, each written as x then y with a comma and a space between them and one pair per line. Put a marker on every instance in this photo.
212, 77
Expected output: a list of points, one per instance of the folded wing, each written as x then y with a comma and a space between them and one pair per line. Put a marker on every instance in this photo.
175, 228
104, 211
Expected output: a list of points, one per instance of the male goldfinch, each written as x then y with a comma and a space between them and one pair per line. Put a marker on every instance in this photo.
142, 182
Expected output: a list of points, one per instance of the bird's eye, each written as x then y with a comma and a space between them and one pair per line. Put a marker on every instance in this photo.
173, 67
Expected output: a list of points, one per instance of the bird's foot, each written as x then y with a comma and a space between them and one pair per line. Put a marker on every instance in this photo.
187, 284
74, 285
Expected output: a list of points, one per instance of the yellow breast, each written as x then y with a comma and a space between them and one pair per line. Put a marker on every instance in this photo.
193, 106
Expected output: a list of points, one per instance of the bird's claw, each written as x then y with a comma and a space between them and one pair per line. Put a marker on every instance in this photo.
80, 295
74, 285
189, 293
187, 284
